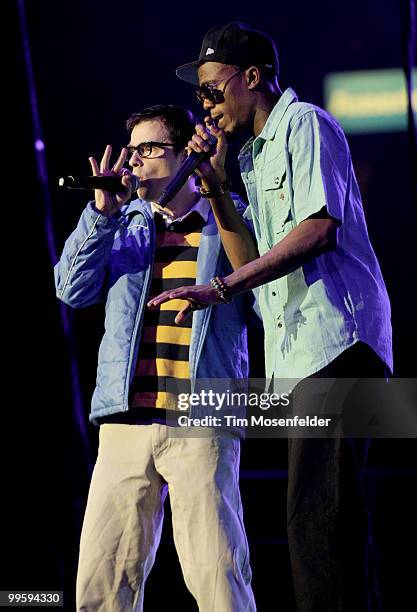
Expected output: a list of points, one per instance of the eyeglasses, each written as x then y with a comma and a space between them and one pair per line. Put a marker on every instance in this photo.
144, 149
210, 92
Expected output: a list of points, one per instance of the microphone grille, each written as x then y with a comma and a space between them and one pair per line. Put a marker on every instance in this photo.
66, 181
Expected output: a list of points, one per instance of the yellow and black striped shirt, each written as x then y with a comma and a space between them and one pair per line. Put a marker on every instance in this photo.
163, 357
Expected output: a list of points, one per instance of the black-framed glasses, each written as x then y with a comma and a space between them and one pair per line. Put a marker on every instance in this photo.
212, 93
144, 149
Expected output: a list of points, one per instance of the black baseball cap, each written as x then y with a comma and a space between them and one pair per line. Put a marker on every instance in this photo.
236, 44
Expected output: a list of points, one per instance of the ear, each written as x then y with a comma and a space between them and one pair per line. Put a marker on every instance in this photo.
253, 77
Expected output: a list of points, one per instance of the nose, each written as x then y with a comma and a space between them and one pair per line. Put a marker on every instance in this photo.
135, 160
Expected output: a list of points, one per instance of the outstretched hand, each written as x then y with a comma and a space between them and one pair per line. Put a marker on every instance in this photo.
197, 296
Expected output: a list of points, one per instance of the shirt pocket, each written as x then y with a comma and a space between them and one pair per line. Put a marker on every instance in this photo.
276, 205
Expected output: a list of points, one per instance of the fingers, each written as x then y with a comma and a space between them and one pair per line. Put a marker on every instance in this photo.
165, 297
199, 143
94, 166
214, 129
180, 293
104, 164
211, 126
201, 130
183, 314
121, 160
126, 177
161, 298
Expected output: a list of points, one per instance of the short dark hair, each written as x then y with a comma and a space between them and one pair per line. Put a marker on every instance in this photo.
179, 122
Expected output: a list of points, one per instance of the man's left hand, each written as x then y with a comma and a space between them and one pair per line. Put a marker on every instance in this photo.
198, 296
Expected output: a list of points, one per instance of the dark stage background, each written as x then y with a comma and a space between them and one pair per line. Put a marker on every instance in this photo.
95, 63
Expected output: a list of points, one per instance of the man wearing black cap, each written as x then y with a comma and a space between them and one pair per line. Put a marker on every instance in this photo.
324, 305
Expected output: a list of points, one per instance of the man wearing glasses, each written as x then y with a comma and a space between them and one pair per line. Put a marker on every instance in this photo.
323, 301
125, 253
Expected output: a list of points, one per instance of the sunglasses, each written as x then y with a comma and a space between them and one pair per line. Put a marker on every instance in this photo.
211, 92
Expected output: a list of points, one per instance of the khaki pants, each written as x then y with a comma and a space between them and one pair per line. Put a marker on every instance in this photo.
136, 464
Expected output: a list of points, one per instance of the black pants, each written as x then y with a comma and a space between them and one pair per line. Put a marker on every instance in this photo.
328, 523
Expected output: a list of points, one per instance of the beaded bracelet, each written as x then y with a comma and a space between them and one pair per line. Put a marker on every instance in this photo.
216, 192
222, 289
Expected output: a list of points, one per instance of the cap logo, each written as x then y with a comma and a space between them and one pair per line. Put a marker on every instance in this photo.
209, 51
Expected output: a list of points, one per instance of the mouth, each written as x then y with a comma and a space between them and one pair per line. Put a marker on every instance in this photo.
217, 119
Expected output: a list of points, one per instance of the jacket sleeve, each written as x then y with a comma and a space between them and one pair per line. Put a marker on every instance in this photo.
80, 274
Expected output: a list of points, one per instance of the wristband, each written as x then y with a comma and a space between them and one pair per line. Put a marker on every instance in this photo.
216, 192
222, 289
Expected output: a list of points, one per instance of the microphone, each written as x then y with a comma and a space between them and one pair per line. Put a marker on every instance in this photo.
187, 167
113, 184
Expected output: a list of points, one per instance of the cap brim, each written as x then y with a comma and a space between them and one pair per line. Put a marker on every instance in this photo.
189, 72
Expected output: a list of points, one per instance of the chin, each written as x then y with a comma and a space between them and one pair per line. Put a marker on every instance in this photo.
230, 130
143, 194
229, 133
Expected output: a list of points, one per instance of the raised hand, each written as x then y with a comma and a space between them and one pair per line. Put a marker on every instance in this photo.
211, 169
106, 202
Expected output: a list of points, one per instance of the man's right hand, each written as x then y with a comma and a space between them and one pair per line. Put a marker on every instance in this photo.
211, 169
108, 203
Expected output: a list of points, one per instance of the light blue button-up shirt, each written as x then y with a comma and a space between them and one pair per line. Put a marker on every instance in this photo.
299, 164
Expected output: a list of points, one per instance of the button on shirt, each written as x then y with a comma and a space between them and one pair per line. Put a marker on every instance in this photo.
299, 164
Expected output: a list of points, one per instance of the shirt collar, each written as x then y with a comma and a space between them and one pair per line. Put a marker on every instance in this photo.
269, 130
202, 206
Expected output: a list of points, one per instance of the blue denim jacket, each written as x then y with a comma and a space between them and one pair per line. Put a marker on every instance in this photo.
111, 259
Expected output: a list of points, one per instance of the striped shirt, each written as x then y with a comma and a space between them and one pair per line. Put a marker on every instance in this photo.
163, 357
